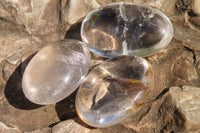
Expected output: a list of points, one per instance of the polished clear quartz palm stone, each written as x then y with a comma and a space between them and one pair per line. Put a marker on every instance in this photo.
113, 89
126, 29
55, 71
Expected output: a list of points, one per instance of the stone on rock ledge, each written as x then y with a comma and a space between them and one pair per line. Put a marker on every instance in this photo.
159, 115
120, 29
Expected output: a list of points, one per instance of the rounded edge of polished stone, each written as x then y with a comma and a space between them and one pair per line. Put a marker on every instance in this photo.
134, 52
86, 51
130, 111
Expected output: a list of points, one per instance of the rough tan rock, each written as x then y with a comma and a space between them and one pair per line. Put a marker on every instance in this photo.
14, 44
74, 10
187, 100
184, 69
45, 130
76, 126
158, 116
4, 14
27, 120
173, 67
105, 2
198, 62
186, 32
175, 111
70, 126
195, 6
186, 23
6, 129
38, 18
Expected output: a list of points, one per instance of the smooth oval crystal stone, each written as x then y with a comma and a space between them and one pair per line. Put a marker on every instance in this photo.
126, 28
113, 89
55, 72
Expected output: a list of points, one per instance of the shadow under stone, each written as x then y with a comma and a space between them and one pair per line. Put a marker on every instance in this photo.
74, 32
66, 108
13, 90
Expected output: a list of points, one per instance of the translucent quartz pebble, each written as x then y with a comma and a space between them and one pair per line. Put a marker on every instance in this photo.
126, 29
55, 72
113, 89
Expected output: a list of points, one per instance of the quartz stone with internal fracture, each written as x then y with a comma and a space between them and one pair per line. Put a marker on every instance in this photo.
126, 29
113, 90
55, 72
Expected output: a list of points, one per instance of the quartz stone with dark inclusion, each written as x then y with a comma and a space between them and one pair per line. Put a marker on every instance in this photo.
56, 71
126, 28
113, 89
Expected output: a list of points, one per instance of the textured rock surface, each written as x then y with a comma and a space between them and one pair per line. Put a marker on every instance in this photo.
77, 126
39, 19
26, 26
177, 110
187, 100
189, 32
7, 129
44, 130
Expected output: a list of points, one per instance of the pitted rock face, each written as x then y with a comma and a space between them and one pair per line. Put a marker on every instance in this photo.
55, 72
126, 29
113, 89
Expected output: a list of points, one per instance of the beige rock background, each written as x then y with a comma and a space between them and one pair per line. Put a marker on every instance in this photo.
28, 25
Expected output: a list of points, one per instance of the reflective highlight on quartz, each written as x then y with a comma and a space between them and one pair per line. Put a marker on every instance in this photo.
55, 72
126, 28
113, 89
